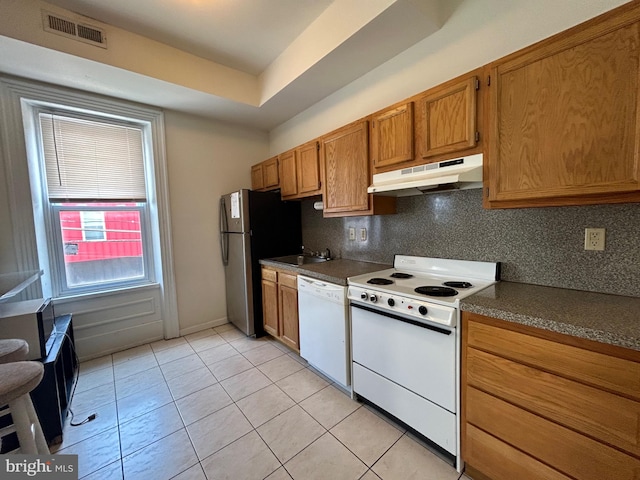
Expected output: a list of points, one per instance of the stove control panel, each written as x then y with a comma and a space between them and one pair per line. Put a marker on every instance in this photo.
402, 306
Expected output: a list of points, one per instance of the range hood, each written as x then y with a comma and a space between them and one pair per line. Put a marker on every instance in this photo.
457, 174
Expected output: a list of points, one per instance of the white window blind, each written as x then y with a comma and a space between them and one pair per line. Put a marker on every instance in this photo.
88, 160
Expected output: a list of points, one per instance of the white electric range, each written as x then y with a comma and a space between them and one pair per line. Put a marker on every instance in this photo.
406, 344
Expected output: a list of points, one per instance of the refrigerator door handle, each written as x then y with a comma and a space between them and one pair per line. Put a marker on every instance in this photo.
224, 222
224, 236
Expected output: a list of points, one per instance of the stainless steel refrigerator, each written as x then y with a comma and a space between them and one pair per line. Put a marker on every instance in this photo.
253, 226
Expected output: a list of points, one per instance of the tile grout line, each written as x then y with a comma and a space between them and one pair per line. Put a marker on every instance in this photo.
255, 366
115, 389
158, 365
184, 426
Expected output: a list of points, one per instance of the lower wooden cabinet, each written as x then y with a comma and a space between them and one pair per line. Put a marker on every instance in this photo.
288, 306
270, 301
280, 306
540, 405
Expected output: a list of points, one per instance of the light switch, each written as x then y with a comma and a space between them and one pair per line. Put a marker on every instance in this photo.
352, 233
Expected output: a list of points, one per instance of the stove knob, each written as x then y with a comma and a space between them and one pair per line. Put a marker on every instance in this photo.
391, 302
364, 296
373, 298
422, 310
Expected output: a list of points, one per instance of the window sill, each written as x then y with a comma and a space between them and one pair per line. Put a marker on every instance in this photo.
61, 300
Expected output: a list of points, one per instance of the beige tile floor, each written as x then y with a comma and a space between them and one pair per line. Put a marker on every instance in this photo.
218, 405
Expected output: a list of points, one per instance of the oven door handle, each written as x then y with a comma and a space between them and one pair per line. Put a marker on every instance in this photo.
402, 319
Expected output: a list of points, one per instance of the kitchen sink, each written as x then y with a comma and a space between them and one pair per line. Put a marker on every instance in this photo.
299, 259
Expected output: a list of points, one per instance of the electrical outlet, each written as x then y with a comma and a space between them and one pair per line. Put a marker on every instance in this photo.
594, 238
363, 234
352, 233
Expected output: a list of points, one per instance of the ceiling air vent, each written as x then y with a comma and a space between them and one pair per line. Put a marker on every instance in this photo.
70, 29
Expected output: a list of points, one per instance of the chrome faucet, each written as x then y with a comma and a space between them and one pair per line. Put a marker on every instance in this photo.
320, 254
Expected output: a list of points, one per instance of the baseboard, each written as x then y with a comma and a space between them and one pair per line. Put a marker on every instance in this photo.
101, 345
203, 326
97, 346
474, 474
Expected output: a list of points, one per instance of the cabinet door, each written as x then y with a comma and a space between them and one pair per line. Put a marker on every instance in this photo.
448, 118
270, 173
270, 307
257, 182
565, 117
345, 155
288, 176
308, 169
392, 136
544, 399
289, 329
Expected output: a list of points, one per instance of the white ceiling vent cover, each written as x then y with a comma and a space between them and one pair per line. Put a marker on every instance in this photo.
70, 29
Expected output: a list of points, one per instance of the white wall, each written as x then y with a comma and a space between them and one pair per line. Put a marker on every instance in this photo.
206, 159
475, 33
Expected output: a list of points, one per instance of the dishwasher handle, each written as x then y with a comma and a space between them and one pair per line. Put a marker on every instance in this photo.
317, 283
318, 288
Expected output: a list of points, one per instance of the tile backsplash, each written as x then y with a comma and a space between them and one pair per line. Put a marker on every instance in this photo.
543, 246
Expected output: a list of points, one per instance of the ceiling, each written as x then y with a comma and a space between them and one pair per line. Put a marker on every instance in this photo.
252, 62
246, 35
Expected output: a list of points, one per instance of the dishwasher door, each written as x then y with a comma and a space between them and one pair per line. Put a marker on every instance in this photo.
323, 311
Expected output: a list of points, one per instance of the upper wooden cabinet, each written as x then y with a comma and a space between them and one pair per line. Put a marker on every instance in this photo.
432, 126
288, 177
345, 155
345, 160
565, 117
300, 171
447, 118
264, 175
392, 136
257, 179
308, 169
270, 173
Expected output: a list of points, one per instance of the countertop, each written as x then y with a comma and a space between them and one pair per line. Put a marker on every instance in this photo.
604, 318
332, 271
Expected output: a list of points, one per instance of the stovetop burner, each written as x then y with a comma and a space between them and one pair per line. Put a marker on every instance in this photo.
380, 281
401, 275
458, 284
436, 291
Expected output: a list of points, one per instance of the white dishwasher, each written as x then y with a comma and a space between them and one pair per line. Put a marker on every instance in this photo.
323, 311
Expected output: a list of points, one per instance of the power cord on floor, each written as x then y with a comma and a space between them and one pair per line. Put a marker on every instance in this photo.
75, 384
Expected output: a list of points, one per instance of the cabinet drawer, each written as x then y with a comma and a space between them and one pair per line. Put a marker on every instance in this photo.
597, 369
270, 275
288, 280
602, 415
500, 461
567, 451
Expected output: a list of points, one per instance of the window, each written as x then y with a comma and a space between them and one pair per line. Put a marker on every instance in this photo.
100, 246
143, 305
91, 225
93, 183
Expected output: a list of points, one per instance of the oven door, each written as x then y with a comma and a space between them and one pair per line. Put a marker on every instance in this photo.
419, 357
409, 370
